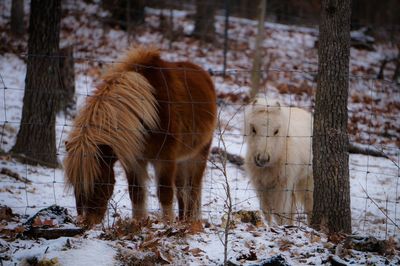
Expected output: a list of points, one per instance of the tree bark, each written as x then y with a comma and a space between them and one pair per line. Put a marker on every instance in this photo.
256, 70
330, 142
36, 137
204, 28
396, 74
17, 17
125, 13
67, 76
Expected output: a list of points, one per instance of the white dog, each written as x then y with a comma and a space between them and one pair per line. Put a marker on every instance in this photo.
279, 158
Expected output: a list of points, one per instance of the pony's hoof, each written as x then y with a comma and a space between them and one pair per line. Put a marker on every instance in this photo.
140, 216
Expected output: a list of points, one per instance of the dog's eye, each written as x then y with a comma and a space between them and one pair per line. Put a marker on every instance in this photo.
253, 130
276, 132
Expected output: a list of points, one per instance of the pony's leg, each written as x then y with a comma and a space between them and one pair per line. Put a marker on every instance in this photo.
280, 201
188, 184
265, 205
296, 205
181, 193
137, 190
308, 205
165, 173
79, 205
287, 208
196, 171
96, 203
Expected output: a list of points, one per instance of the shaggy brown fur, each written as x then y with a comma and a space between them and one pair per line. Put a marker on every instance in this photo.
146, 110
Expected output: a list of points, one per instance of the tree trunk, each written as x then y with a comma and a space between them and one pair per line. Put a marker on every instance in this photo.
125, 13
226, 38
204, 28
36, 137
17, 17
67, 77
256, 70
330, 143
396, 74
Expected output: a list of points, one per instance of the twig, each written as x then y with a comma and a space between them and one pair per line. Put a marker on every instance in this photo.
379, 208
228, 200
6, 171
353, 148
223, 154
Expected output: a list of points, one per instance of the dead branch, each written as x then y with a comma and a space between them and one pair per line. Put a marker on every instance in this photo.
53, 233
354, 148
384, 62
222, 154
379, 208
382, 68
6, 171
336, 261
396, 74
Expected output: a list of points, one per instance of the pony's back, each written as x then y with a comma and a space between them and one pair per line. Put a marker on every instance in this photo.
186, 101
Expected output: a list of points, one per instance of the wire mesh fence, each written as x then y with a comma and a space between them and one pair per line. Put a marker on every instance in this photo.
374, 181
373, 123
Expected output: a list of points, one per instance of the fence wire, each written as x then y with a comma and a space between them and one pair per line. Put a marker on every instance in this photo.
375, 182
231, 119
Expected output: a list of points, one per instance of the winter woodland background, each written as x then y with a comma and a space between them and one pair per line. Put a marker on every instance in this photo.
100, 31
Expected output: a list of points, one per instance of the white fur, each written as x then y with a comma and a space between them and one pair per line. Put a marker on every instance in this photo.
279, 158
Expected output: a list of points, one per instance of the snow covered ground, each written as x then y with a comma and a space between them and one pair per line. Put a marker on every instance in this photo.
374, 122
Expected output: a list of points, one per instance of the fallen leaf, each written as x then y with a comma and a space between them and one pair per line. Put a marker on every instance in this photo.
336, 237
164, 257
315, 238
250, 228
285, 245
37, 222
6, 213
19, 229
150, 243
249, 256
49, 222
196, 251
196, 227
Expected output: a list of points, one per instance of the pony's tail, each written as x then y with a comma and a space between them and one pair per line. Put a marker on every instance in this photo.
117, 117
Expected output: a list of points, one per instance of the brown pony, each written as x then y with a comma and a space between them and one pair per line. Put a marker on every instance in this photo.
146, 110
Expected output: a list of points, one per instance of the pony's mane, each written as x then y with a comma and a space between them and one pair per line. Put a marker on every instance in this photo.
116, 115
257, 109
262, 105
136, 57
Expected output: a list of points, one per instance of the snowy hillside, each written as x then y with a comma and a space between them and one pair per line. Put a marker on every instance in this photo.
289, 74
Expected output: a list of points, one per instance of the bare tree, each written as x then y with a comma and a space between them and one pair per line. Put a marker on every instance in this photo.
204, 27
125, 13
36, 137
330, 140
256, 70
396, 74
17, 17
67, 79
